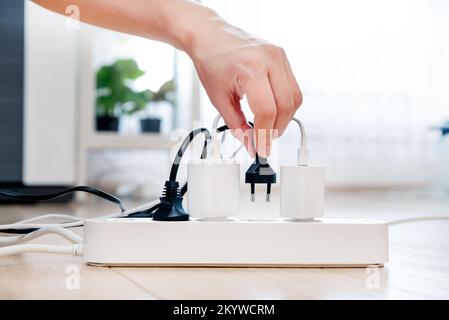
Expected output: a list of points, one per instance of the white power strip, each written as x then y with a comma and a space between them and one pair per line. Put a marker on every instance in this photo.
323, 243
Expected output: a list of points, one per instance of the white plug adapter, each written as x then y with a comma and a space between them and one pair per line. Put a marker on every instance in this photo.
214, 188
302, 186
214, 183
302, 192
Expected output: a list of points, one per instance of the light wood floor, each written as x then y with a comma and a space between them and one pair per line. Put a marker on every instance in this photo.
418, 267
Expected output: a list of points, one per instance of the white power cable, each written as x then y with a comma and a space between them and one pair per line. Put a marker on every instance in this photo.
76, 222
23, 226
303, 151
418, 219
49, 216
69, 235
10, 245
215, 126
215, 143
214, 137
234, 154
75, 249
303, 133
134, 210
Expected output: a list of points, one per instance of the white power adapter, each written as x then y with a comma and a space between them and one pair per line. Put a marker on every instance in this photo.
302, 186
214, 189
214, 184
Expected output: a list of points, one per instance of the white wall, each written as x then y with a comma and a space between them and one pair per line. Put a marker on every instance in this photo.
51, 74
374, 75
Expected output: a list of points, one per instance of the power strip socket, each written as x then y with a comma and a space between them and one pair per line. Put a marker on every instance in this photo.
234, 242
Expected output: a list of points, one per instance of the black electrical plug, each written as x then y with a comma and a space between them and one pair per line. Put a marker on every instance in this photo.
260, 172
170, 208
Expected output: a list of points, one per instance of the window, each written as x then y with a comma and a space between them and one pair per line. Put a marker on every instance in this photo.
156, 59
375, 79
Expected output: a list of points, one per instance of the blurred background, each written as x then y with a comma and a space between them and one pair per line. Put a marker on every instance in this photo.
83, 105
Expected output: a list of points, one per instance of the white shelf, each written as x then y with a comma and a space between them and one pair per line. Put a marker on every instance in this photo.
90, 140
116, 141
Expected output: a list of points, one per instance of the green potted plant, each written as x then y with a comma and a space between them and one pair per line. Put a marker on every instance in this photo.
165, 94
115, 96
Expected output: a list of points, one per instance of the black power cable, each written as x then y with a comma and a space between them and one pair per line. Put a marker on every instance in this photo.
144, 213
148, 213
49, 196
172, 182
170, 207
54, 195
182, 149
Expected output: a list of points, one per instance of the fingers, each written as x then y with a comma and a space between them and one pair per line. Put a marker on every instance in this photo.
261, 72
235, 119
263, 105
246, 137
294, 86
282, 95
285, 90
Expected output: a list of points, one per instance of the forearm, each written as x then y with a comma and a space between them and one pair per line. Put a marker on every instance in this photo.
230, 62
177, 22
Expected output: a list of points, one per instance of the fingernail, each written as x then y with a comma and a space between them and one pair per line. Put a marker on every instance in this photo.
263, 143
264, 149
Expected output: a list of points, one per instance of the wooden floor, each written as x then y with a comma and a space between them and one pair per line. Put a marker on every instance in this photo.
418, 267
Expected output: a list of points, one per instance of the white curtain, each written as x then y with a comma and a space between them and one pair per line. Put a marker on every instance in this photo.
375, 79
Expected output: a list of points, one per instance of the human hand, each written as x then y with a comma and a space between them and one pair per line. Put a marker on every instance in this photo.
231, 64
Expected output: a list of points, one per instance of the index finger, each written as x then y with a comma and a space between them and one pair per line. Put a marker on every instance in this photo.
263, 105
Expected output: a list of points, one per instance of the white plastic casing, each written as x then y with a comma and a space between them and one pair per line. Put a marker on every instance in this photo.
214, 188
302, 192
323, 243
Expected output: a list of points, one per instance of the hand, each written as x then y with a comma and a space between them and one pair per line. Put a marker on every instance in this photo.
230, 64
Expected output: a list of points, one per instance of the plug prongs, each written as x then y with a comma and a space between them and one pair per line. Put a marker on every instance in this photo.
253, 192
268, 196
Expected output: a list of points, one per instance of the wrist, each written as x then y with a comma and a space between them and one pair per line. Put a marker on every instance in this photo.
192, 28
